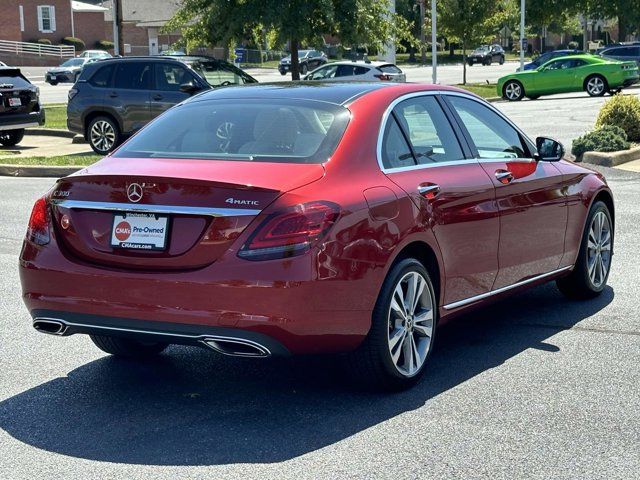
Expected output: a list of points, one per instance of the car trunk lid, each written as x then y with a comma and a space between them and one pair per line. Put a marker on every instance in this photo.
194, 210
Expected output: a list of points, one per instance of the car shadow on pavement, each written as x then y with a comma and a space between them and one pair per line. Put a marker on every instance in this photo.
192, 407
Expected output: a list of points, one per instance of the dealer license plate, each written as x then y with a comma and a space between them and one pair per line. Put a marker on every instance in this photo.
140, 231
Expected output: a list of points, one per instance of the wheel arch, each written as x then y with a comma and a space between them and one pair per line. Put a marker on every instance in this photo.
98, 113
606, 197
425, 254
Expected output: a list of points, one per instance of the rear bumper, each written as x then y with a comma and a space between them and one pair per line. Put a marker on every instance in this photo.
285, 303
13, 121
174, 333
630, 81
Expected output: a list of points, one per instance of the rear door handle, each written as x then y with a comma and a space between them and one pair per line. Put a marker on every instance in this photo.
157, 96
113, 94
429, 190
504, 176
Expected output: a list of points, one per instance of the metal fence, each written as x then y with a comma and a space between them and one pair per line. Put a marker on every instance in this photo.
37, 49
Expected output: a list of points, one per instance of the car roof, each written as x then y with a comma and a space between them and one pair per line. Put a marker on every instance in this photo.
338, 93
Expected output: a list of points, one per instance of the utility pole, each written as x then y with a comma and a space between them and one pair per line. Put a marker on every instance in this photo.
423, 47
434, 44
389, 49
118, 21
116, 42
522, 39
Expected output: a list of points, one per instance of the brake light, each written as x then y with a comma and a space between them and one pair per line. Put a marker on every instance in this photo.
383, 77
290, 232
38, 229
72, 93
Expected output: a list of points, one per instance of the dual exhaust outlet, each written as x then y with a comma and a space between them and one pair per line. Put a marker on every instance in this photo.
235, 347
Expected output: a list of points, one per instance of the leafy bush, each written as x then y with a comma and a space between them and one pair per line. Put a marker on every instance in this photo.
43, 41
105, 45
74, 42
622, 111
573, 45
607, 138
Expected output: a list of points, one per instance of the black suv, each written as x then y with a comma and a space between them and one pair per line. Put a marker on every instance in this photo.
623, 53
486, 54
115, 97
309, 60
19, 106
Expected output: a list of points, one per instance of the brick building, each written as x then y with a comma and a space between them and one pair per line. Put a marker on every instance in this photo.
31, 20
142, 21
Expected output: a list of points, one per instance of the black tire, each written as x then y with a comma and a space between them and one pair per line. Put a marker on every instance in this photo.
579, 285
501, 60
113, 139
283, 73
533, 97
513, 97
487, 62
372, 365
10, 138
54, 83
304, 69
470, 63
125, 347
592, 91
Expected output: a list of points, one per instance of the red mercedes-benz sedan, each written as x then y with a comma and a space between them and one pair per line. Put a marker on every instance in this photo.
296, 219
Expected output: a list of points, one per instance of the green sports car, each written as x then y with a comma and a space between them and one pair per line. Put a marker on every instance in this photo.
574, 73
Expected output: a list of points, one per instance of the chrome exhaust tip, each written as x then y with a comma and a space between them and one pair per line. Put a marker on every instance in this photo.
236, 347
50, 326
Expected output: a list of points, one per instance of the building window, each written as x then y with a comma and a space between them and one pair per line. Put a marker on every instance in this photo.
46, 18
21, 10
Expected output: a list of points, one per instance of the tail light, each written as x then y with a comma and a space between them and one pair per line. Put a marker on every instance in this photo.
383, 77
38, 229
290, 232
72, 93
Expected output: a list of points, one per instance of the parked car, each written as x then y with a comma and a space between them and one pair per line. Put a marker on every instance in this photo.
290, 219
69, 71
19, 106
2, 64
486, 54
547, 56
575, 73
95, 54
309, 60
358, 72
629, 52
115, 97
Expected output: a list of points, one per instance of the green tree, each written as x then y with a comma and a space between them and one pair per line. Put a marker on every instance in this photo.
468, 22
627, 12
355, 22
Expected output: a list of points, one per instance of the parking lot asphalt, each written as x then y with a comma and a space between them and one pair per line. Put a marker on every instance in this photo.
536, 386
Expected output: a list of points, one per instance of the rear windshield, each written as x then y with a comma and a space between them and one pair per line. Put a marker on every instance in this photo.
9, 80
287, 131
74, 62
389, 69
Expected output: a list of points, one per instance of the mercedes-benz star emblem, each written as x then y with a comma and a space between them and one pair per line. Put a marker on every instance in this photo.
135, 192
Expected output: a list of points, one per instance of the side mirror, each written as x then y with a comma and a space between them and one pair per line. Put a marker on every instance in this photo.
189, 87
549, 150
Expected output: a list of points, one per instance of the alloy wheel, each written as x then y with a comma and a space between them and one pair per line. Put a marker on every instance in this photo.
410, 323
513, 91
103, 135
599, 249
595, 86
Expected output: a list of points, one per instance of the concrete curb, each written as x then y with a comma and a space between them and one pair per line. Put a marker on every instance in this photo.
49, 132
611, 159
8, 170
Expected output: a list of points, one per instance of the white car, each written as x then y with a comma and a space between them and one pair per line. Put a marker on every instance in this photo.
358, 72
2, 64
95, 54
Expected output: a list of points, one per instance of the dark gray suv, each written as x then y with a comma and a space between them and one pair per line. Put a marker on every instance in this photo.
115, 97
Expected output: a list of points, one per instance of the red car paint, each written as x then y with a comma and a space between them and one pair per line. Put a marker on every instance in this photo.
482, 235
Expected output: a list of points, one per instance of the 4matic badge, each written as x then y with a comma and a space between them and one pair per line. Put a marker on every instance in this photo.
234, 201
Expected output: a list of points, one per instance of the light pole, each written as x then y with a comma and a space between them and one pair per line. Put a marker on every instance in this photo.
522, 7
434, 45
423, 48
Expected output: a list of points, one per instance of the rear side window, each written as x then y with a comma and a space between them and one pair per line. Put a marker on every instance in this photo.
13, 81
389, 69
492, 135
428, 130
133, 76
285, 131
395, 149
350, 70
102, 78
